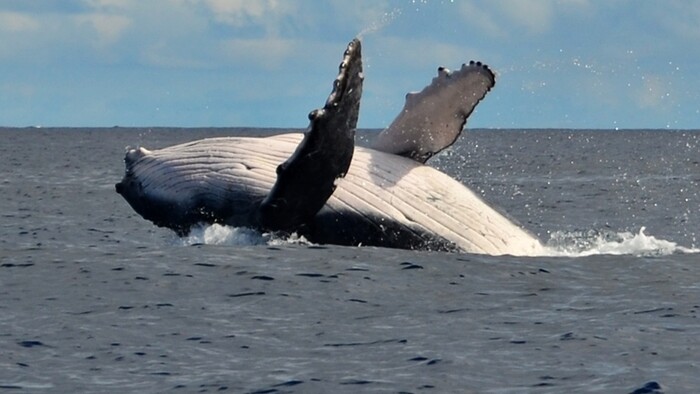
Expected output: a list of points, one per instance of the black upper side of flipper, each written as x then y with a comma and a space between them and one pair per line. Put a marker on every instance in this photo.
307, 179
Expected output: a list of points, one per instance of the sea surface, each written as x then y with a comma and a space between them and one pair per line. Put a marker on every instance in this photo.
94, 299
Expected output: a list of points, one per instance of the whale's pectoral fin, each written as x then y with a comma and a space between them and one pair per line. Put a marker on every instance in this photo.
432, 119
307, 179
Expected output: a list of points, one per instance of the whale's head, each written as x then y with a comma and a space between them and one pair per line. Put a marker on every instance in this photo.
183, 186
149, 202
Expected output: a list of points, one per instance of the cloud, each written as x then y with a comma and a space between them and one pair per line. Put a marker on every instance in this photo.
364, 17
592, 56
482, 19
504, 18
421, 53
46, 34
268, 53
181, 33
534, 16
17, 22
240, 12
681, 18
105, 5
109, 28
264, 14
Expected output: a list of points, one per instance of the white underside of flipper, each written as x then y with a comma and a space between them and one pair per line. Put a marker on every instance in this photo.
433, 118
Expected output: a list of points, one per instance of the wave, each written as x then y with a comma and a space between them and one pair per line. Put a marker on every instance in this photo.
597, 242
560, 244
217, 234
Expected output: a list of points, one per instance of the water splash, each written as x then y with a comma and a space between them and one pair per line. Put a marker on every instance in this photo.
593, 242
217, 234
560, 244
380, 23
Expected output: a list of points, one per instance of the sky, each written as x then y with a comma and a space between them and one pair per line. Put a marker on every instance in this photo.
268, 63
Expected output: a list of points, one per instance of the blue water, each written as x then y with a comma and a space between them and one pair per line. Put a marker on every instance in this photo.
95, 299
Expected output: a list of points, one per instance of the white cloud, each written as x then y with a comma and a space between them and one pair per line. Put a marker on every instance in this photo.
368, 17
681, 17
499, 18
104, 5
243, 13
268, 53
40, 35
178, 33
17, 22
109, 28
535, 16
240, 42
420, 53
160, 54
482, 19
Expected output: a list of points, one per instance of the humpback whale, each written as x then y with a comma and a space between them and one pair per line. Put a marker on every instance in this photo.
320, 185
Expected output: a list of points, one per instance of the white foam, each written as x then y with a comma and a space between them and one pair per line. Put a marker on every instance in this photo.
217, 234
589, 243
560, 244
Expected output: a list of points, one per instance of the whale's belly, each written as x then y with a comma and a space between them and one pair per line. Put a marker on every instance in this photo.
422, 197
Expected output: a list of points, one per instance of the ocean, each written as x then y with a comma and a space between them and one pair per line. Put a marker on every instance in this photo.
95, 299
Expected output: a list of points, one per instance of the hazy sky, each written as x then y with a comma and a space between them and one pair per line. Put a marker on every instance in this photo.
267, 63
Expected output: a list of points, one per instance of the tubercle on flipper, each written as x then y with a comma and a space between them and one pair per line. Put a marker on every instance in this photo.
335, 95
316, 113
484, 66
444, 72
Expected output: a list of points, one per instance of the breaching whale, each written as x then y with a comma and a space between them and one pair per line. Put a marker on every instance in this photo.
320, 185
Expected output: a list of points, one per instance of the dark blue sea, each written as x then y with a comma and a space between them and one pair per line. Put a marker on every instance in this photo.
94, 299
